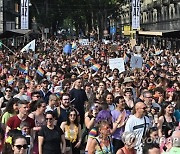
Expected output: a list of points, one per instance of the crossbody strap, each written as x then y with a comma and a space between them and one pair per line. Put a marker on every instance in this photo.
144, 132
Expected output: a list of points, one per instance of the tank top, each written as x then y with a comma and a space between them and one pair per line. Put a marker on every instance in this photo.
101, 148
166, 126
71, 134
5, 101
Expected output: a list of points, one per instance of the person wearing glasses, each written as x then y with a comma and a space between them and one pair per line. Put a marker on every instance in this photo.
19, 144
139, 124
7, 96
51, 137
72, 130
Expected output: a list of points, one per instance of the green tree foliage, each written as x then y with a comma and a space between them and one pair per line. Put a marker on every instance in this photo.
85, 15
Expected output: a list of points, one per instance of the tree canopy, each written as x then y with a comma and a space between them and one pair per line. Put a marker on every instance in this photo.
83, 15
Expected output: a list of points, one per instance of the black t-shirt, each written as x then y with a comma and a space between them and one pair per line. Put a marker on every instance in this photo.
63, 116
79, 96
52, 140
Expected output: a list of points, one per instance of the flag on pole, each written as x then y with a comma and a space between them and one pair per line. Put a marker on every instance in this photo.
10, 80
28, 79
75, 64
23, 68
87, 57
40, 71
30, 46
96, 67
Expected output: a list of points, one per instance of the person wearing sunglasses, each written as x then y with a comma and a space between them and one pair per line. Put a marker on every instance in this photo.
72, 130
139, 124
51, 137
19, 144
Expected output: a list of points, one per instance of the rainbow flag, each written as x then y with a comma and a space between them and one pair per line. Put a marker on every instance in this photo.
40, 71
28, 79
87, 57
96, 67
59, 94
75, 64
150, 64
10, 80
1, 66
22, 68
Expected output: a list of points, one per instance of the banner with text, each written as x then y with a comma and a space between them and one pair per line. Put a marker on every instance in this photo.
135, 14
24, 14
117, 63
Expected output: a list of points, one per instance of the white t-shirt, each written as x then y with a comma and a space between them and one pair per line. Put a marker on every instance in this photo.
136, 125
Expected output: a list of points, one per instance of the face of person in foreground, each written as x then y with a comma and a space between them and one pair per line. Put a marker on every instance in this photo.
20, 146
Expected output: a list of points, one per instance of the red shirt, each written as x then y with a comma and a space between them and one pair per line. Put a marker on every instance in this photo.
15, 122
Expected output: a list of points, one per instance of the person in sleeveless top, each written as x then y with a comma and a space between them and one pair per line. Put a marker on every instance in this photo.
129, 139
39, 118
102, 144
72, 131
167, 122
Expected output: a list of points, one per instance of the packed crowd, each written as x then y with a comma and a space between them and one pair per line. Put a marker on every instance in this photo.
56, 102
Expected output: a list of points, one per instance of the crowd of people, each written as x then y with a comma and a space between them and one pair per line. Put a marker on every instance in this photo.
56, 102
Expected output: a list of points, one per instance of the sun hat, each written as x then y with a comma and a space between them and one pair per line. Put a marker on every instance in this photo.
128, 79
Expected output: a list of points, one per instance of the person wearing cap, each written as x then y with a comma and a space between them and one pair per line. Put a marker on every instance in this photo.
129, 139
128, 83
44, 92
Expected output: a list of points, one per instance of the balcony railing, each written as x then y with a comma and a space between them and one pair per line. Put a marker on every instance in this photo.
174, 1
166, 2
157, 4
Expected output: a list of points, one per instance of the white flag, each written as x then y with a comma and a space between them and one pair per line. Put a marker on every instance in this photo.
30, 46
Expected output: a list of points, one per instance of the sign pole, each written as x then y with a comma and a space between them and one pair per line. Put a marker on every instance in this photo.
8, 49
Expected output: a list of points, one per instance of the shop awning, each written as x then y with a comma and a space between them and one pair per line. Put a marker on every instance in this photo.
164, 33
14, 33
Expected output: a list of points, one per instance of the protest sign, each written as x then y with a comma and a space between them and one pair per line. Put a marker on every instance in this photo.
84, 42
117, 63
136, 62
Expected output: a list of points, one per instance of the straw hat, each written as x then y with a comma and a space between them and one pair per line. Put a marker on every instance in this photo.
128, 79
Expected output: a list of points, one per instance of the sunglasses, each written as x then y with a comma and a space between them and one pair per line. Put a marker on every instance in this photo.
36, 96
19, 147
49, 119
8, 90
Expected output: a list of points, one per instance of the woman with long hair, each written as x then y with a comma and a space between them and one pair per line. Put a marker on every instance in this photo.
166, 122
10, 110
51, 137
72, 130
39, 118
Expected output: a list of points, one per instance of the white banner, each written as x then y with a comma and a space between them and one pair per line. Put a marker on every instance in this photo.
24, 14
117, 63
135, 14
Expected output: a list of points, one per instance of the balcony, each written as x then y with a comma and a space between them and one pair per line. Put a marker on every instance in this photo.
157, 4
174, 1
166, 2
150, 6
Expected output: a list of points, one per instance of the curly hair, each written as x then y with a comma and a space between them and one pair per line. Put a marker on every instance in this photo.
9, 106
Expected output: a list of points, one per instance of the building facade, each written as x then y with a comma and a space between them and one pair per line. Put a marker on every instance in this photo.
9, 15
155, 14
